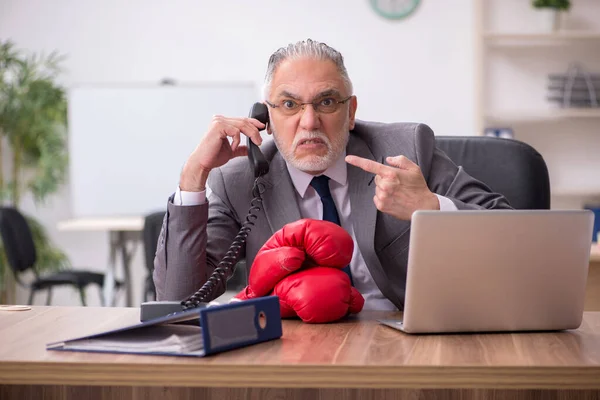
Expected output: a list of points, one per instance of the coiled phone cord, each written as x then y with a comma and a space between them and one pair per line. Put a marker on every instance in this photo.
225, 268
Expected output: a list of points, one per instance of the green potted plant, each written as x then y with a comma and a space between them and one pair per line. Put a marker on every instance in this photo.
555, 10
33, 145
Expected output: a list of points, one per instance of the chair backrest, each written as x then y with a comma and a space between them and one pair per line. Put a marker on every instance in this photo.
509, 167
152, 225
17, 240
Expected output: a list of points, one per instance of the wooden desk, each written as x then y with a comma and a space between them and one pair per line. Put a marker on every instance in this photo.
358, 358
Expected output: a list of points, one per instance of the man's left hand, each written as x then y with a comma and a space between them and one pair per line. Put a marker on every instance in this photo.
400, 187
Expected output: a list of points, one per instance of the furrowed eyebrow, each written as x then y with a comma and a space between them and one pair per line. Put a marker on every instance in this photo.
327, 93
285, 93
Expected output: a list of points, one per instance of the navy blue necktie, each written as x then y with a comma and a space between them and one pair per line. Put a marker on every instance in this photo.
321, 185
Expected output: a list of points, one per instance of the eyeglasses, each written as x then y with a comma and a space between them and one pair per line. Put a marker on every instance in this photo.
326, 105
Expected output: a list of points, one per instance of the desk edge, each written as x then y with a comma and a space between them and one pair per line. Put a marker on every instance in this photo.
299, 376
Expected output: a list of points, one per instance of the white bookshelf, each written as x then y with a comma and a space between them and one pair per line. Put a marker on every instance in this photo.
541, 116
507, 39
510, 44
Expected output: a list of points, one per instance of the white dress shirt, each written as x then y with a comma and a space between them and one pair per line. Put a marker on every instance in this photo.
311, 207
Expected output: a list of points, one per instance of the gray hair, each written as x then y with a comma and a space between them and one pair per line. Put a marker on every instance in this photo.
306, 49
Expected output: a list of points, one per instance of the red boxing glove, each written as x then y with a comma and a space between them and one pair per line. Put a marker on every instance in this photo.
271, 266
311, 245
318, 295
315, 241
325, 243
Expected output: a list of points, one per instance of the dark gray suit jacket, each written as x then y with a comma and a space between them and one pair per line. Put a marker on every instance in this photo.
195, 238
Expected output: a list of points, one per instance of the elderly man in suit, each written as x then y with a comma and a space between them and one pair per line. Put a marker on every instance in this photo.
378, 175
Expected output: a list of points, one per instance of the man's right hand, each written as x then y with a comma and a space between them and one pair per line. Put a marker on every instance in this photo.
215, 150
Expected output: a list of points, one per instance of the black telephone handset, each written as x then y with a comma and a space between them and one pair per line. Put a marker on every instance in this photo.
224, 270
258, 162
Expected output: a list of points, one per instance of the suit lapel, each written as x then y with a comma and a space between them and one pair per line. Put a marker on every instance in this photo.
361, 189
364, 212
279, 198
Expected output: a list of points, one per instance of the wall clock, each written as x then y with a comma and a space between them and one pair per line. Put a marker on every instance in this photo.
394, 9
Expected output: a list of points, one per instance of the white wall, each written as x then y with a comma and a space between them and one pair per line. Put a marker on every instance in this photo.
419, 69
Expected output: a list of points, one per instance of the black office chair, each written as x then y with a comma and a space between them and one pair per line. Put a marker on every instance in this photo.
509, 167
21, 255
152, 226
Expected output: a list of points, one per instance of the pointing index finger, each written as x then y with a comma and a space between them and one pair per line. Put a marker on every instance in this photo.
365, 164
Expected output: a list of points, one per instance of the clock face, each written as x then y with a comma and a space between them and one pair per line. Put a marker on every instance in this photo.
394, 9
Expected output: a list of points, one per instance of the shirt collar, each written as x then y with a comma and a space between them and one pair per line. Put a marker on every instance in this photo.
337, 172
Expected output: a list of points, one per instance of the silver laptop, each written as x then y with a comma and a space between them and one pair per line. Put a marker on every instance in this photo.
486, 271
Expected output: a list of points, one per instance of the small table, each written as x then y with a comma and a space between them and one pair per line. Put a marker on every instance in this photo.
124, 235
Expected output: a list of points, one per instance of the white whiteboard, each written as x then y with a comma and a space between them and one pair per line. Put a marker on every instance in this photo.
127, 145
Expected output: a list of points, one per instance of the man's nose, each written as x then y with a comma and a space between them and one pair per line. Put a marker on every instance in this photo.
309, 119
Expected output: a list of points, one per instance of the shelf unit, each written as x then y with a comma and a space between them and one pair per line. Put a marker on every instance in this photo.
501, 39
542, 116
493, 44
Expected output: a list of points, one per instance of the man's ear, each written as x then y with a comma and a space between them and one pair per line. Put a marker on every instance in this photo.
352, 111
268, 124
